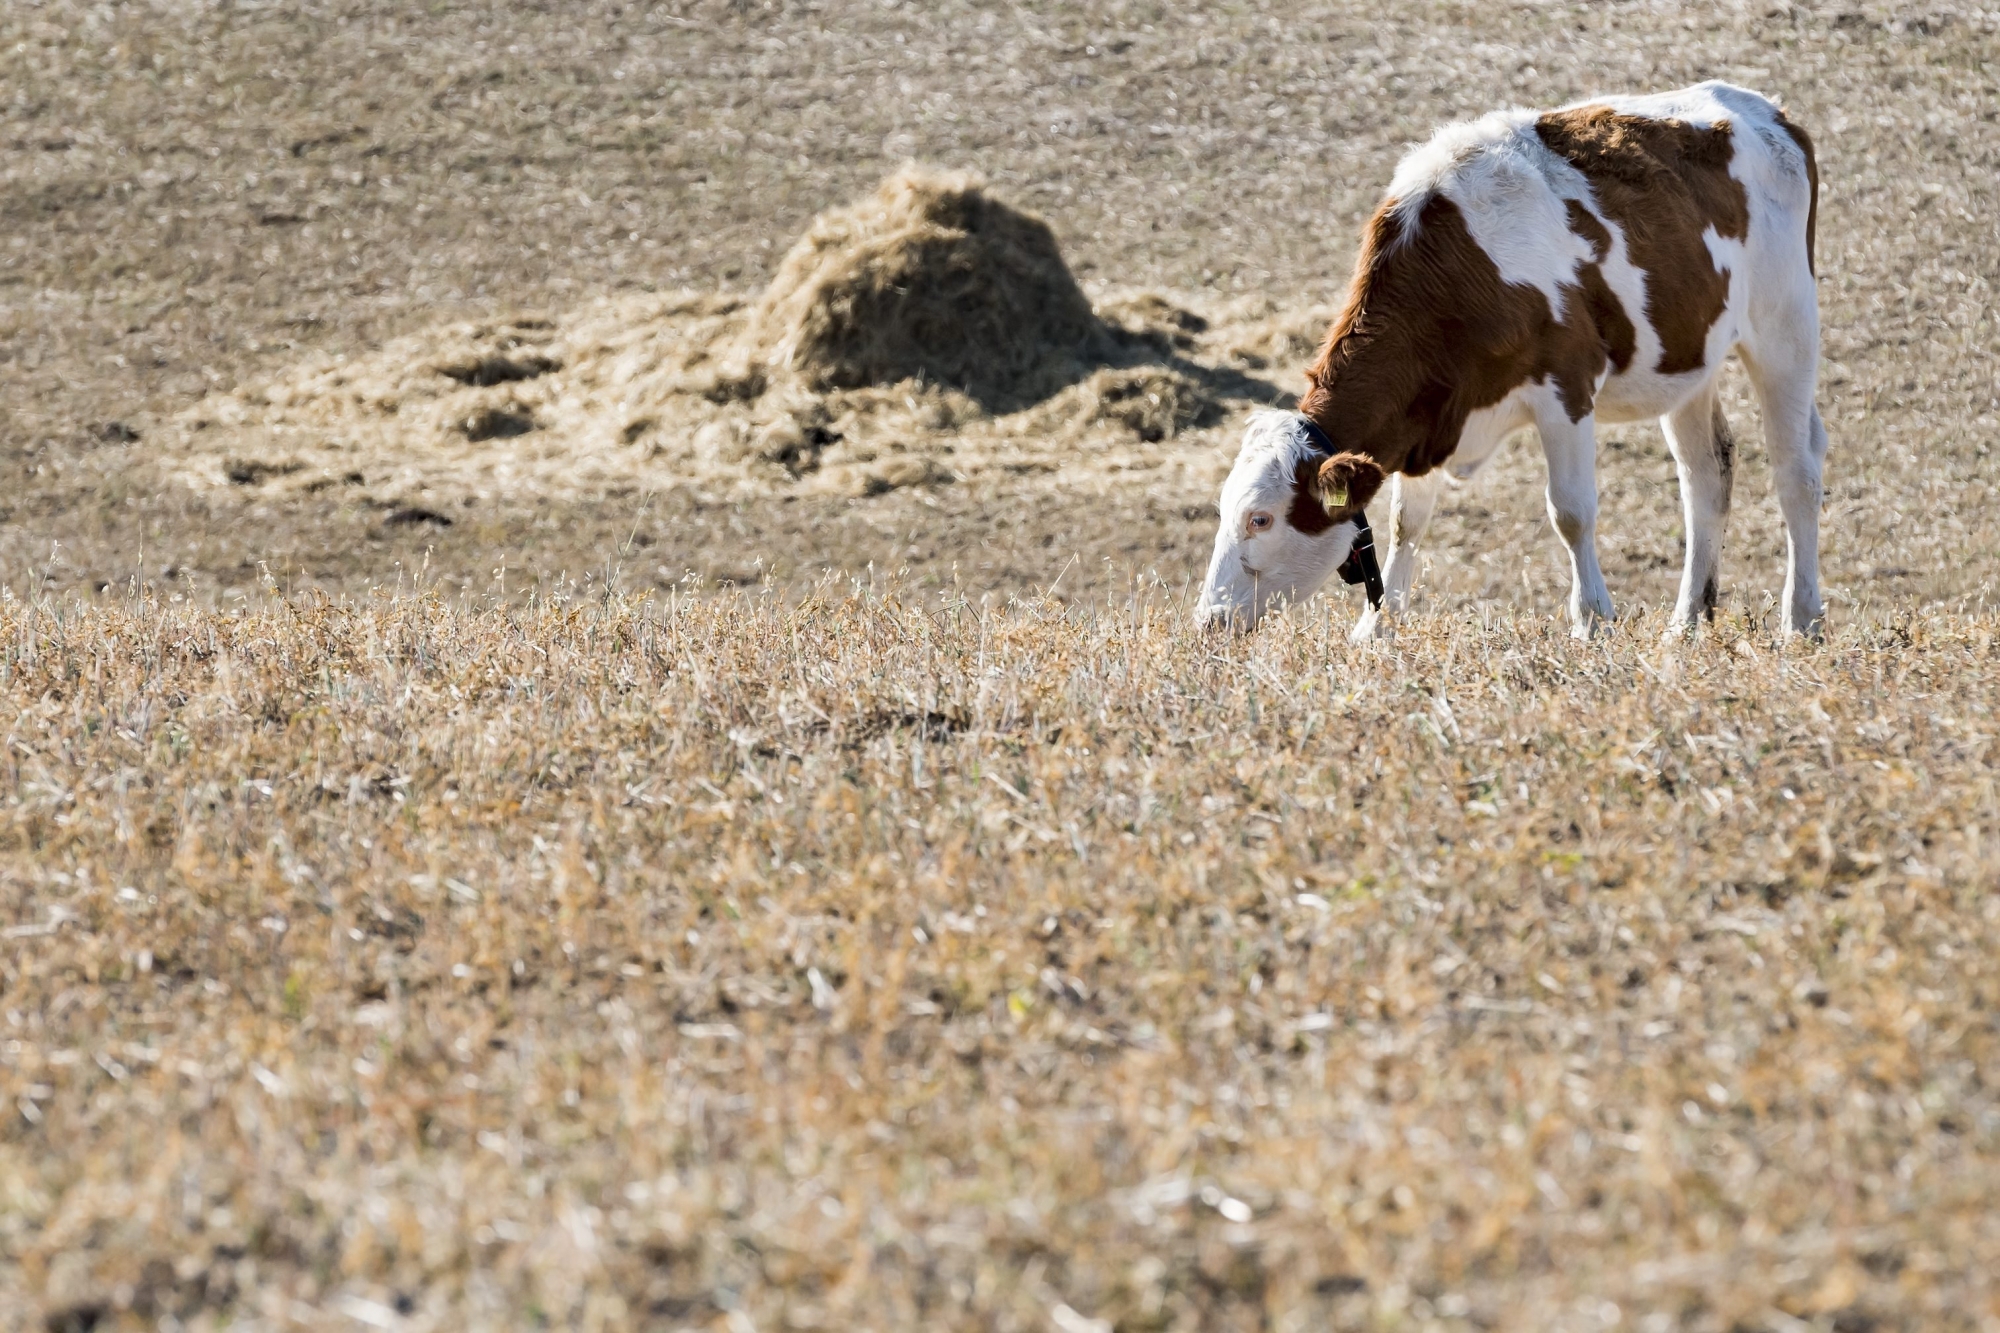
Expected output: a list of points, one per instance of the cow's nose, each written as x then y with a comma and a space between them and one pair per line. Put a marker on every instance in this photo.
1215, 619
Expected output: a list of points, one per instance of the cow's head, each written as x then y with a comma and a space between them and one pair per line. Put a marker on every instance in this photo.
1288, 511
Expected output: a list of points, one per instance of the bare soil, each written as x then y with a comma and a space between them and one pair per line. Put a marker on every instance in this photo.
199, 199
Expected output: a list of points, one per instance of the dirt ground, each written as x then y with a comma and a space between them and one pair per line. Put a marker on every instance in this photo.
445, 887
197, 198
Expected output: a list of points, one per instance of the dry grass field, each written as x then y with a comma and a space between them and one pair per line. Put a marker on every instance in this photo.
886, 962
678, 857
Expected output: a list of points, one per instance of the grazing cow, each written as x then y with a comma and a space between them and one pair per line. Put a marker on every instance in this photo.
1551, 268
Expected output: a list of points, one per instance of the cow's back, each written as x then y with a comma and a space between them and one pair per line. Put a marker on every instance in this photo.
1656, 221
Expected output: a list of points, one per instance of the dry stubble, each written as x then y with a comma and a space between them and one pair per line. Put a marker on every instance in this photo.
875, 963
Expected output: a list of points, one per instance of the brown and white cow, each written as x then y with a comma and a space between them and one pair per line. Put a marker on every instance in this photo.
1553, 269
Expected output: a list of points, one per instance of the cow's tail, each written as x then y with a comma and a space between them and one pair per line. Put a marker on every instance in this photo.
1805, 143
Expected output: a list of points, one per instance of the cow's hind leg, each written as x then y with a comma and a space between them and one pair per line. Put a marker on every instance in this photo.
1412, 501
1571, 450
1705, 457
1796, 437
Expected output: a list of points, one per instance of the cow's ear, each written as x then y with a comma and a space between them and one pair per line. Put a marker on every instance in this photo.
1346, 483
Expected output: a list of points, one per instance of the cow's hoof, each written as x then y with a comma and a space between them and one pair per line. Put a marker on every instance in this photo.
1589, 627
1586, 621
1810, 631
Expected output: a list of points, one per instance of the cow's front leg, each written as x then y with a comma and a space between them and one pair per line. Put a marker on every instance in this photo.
1412, 501
1571, 450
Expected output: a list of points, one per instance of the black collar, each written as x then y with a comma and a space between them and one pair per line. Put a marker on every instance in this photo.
1360, 566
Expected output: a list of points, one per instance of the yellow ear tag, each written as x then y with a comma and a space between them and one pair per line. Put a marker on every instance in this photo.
1336, 499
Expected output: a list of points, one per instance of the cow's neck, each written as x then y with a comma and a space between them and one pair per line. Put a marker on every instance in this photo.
1398, 374
1374, 394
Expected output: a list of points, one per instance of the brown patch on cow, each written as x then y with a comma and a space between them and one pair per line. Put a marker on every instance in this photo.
1607, 313
1664, 182
1585, 224
1306, 513
1431, 333
1805, 143
1606, 310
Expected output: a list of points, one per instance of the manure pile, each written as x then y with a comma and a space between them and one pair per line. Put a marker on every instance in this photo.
929, 334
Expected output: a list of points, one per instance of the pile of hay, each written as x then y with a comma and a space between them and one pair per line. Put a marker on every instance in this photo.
930, 278
927, 334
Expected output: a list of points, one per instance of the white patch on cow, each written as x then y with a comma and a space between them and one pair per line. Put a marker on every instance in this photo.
1731, 257
1255, 567
1424, 167
1511, 196
1640, 391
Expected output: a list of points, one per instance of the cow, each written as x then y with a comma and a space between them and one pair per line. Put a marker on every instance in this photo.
1554, 269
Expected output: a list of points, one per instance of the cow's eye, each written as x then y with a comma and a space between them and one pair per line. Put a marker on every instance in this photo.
1258, 521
